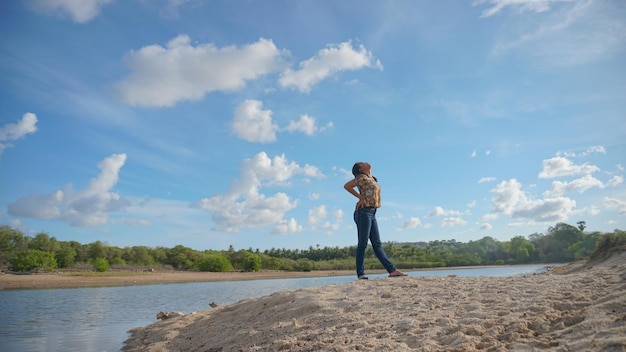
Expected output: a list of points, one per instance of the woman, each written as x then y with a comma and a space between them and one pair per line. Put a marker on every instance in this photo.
365, 218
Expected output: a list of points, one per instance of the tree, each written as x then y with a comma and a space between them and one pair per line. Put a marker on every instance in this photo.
101, 265
252, 262
521, 249
33, 259
215, 262
65, 257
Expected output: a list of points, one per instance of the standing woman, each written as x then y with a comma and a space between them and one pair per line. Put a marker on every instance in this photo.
365, 218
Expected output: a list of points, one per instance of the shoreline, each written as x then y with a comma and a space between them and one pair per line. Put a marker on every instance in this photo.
81, 279
580, 306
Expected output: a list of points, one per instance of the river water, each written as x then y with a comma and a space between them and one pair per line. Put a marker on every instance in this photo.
98, 319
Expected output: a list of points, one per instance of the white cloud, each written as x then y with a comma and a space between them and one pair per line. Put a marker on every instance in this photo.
509, 199
581, 185
317, 214
306, 125
328, 61
81, 11
287, 227
452, 221
86, 207
244, 206
254, 124
486, 226
489, 217
559, 167
615, 180
487, 179
14, 131
163, 76
410, 223
439, 211
521, 5
617, 204
591, 150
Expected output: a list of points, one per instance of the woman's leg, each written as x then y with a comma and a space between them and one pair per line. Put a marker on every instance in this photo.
362, 218
377, 246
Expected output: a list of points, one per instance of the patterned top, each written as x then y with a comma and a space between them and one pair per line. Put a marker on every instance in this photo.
369, 188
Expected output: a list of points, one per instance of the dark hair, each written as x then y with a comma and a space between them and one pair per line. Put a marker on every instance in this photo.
356, 170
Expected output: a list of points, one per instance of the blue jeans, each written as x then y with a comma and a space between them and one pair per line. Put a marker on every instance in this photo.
365, 219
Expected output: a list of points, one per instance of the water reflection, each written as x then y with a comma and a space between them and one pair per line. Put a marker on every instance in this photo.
98, 319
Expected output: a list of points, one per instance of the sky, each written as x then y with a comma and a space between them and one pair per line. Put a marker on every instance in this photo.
218, 123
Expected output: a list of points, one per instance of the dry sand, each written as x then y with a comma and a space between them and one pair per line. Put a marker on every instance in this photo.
85, 279
577, 307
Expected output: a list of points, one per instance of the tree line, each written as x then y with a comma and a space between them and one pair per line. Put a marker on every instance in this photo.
561, 243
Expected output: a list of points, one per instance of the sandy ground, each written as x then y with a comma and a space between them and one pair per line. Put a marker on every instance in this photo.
77, 279
578, 307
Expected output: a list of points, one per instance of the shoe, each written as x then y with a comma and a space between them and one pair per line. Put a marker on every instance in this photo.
397, 273
363, 277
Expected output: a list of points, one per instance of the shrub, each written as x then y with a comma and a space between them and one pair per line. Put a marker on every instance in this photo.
215, 262
33, 259
100, 265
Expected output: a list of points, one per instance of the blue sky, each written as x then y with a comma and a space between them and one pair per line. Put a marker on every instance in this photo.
217, 123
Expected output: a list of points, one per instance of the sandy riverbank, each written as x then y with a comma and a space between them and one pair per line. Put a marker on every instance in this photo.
578, 307
82, 279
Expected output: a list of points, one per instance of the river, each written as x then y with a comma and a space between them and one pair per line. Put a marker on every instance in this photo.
98, 319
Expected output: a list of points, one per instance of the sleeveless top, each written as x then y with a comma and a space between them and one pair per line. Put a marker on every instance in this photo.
369, 189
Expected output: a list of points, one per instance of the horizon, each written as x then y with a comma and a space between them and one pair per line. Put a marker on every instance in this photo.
216, 123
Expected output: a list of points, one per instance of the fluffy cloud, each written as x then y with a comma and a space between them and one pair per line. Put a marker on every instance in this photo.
254, 124
560, 166
487, 179
439, 211
81, 11
410, 223
333, 59
244, 206
306, 125
287, 227
616, 204
163, 76
452, 221
14, 131
508, 198
581, 185
318, 215
86, 207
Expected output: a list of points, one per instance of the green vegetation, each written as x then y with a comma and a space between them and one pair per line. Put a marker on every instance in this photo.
561, 243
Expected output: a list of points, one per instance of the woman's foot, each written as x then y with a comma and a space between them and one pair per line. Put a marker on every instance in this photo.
363, 277
397, 273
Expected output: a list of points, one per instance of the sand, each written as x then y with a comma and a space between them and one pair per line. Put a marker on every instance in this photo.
83, 279
577, 307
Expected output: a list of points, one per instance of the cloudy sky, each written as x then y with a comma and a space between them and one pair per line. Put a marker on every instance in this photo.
211, 123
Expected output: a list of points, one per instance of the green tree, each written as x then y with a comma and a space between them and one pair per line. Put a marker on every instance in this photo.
33, 259
215, 262
521, 249
44, 242
252, 262
100, 265
65, 257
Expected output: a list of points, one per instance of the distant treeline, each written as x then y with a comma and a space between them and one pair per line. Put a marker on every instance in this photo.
561, 243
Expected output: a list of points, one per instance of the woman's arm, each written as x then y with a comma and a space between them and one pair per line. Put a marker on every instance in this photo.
350, 186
